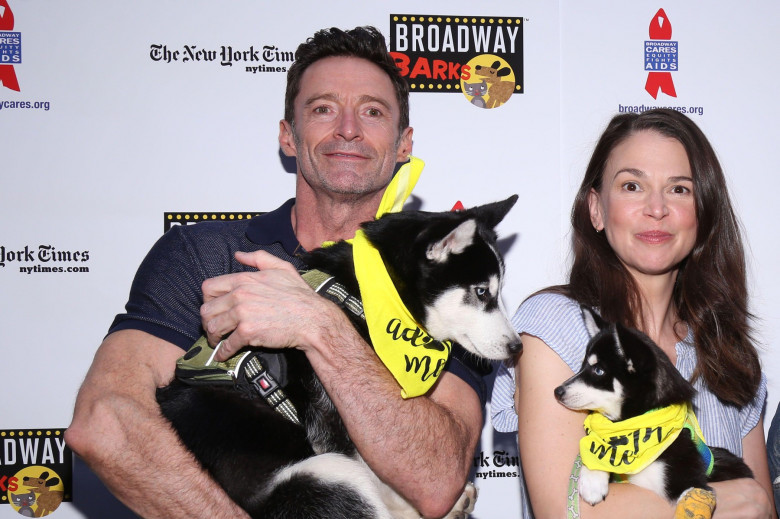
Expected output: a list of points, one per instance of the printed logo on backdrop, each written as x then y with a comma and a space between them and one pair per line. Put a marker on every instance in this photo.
36, 471
480, 57
262, 59
661, 56
180, 218
10, 47
500, 464
661, 61
43, 259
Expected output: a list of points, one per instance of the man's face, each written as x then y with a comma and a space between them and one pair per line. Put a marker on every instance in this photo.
345, 136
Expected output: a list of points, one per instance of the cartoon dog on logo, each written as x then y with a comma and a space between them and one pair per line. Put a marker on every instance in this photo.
48, 499
499, 91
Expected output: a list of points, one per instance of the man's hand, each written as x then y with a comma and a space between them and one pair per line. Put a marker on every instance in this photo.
273, 307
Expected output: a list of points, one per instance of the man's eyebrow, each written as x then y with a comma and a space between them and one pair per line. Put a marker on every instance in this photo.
325, 96
334, 97
373, 99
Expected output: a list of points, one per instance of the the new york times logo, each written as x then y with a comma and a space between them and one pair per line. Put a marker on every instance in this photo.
438, 53
268, 58
500, 465
44, 258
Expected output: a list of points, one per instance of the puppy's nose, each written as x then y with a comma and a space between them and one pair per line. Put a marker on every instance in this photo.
559, 392
515, 347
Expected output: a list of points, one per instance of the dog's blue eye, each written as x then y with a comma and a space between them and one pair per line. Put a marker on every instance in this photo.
481, 292
598, 371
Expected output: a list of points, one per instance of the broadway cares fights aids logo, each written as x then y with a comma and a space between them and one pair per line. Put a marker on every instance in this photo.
10, 47
661, 56
480, 57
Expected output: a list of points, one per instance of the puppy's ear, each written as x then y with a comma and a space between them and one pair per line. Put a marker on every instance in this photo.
454, 243
492, 214
593, 322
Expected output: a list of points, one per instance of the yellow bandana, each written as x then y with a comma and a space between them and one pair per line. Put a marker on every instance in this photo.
628, 446
400, 187
413, 357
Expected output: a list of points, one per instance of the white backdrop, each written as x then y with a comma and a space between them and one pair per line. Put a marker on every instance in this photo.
112, 139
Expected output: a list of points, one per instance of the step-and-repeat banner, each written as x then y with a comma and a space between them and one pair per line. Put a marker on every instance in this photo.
118, 120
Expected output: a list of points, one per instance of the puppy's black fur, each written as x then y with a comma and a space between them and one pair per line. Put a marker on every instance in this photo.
242, 442
648, 381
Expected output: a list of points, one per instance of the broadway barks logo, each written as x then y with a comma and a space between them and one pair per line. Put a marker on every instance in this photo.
171, 219
10, 47
661, 56
36, 471
480, 57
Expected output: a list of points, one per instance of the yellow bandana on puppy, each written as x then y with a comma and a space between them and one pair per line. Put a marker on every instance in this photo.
628, 446
400, 187
413, 357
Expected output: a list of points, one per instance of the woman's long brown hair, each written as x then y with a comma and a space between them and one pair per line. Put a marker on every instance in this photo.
710, 293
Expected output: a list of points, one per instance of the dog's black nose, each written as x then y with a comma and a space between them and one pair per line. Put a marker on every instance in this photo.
559, 391
515, 347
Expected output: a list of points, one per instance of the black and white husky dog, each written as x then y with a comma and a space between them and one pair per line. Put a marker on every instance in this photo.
624, 375
448, 272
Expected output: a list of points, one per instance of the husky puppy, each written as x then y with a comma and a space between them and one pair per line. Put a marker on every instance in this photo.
448, 272
625, 375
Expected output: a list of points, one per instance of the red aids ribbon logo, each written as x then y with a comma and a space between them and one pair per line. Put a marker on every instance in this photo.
661, 56
9, 47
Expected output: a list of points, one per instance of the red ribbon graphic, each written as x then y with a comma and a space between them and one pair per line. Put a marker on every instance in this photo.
660, 29
7, 74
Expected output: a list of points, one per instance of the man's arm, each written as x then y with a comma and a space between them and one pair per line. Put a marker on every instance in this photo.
118, 430
422, 447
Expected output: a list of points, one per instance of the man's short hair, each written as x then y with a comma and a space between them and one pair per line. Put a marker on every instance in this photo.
360, 42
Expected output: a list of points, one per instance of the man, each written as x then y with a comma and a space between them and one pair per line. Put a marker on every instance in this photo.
346, 122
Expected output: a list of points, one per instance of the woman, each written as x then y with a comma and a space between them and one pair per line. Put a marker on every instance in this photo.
657, 247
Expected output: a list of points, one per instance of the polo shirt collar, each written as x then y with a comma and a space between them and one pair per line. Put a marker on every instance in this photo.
274, 227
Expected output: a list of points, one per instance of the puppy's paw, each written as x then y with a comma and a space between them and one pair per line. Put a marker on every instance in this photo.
593, 485
465, 503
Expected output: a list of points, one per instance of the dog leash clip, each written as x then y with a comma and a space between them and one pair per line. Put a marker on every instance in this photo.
268, 388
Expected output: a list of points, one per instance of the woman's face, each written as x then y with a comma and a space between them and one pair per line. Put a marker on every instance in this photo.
646, 205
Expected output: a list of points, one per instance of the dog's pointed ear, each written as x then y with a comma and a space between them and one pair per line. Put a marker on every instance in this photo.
492, 214
454, 243
593, 322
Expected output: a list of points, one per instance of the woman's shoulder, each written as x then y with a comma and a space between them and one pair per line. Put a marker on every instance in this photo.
557, 320
549, 307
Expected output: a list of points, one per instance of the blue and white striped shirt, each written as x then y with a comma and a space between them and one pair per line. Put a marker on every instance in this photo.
556, 320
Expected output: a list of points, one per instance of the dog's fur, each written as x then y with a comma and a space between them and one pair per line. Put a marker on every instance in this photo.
448, 272
625, 374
